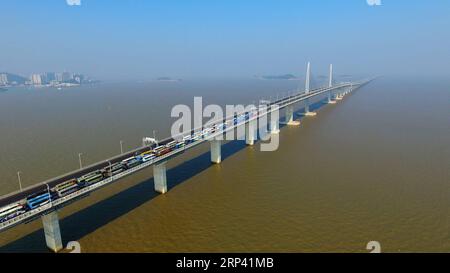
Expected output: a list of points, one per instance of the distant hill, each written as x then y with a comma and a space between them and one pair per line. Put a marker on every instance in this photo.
279, 77
167, 79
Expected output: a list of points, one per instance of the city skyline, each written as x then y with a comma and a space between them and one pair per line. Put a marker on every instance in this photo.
57, 79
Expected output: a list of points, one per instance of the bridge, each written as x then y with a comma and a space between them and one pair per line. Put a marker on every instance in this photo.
47, 210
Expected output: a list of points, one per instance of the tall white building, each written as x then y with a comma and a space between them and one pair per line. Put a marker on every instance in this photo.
3, 79
36, 79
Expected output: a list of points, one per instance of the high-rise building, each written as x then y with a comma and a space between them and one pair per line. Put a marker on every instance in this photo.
59, 77
3, 79
36, 79
50, 76
67, 76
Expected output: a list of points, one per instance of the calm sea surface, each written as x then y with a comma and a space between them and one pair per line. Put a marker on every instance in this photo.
375, 166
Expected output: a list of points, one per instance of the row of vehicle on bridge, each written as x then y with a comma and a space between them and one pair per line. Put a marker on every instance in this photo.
65, 188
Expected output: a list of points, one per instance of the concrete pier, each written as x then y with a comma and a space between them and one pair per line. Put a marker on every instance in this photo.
250, 132
307, 112
350, 89
52, 232
159, 177
289, 119
339, 95
330, 100
289, 114
274, 123
216, 153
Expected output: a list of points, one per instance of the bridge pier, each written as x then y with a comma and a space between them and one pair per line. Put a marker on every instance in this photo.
338, 95
345, 91
330, 100
289, 119
274, 125
159, 177
250, 132
350, 89
216, 153
307, 112
52, 232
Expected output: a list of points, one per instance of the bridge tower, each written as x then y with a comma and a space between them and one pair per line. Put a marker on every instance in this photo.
330, 84
308, 78
307, 88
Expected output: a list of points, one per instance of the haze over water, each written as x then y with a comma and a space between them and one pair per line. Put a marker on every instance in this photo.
375, 166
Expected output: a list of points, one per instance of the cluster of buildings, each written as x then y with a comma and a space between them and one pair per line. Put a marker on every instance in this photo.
58, 79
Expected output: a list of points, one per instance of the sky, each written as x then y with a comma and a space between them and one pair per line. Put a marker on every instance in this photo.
140, 39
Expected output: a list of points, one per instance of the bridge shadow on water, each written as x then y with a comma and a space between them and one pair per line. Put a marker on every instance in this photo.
87, 220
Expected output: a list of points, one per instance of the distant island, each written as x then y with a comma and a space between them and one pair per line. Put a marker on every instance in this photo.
167, 79
279, 77
49, 79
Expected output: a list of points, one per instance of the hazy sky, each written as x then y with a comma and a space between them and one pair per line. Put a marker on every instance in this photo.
137, 39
